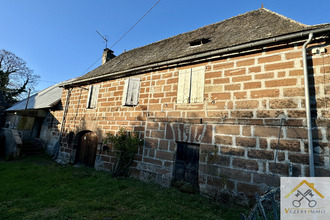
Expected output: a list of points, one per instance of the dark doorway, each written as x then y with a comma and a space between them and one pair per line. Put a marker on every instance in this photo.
186, 164
87, 147
36, 129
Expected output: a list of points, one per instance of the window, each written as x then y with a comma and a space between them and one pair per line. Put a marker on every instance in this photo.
191, 85
93, 94
131, 91
199, 42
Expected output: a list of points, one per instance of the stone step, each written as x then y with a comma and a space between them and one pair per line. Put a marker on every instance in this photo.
31, 148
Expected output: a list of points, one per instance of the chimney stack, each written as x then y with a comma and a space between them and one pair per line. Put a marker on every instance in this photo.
107, 55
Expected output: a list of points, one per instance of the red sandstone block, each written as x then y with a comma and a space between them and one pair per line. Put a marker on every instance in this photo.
251, 104
208, 135
296, 72
152, 161
281, 82
246, 142
220, 96
157, 95
248, 62
283, 169
194, 114
283, 103
240, 95
245, 164
221, 81
157, 134
252, 85
241, 114
163, 155
163, 145
155, 107
269, 113
174, 114
293, 55
292, 92
261, 154
263, 131
217, 114
211, 75
156, 100
235, 72
254, 69
223, 65
227, 129
264, 76
152, 125
169, 94
279, 66
232, 151
290, 145
173, 80
269, 59
233, 87
265, 93
167, 88
241, 78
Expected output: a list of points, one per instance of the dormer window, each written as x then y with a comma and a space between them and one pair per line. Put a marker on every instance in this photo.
199, 42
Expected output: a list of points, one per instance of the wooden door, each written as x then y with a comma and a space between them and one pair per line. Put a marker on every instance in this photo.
186, 163
87, 147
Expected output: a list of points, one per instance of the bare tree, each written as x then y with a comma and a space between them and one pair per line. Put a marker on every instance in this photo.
15, 77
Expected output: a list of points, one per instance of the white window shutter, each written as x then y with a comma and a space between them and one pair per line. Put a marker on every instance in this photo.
90, 91
125, 92
134, 90
184, 86
131, 91
197, 84
95, 96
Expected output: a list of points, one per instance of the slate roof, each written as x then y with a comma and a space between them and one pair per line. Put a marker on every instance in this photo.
249, 27
44, 99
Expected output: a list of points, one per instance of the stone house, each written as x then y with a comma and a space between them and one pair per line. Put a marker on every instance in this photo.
220, 107
35, 121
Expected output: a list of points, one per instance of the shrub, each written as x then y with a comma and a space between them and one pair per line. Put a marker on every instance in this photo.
125, 144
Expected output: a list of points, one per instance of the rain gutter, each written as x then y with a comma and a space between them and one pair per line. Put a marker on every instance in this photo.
308, 108
201, 56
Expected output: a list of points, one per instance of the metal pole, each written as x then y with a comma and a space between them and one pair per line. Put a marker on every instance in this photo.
27, 100
308, 108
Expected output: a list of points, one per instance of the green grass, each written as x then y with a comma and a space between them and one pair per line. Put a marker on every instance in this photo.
37, 188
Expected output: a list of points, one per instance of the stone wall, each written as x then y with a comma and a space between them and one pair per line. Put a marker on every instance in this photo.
50, 131
236, 127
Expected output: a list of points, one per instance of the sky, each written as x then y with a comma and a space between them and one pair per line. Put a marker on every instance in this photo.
58, 39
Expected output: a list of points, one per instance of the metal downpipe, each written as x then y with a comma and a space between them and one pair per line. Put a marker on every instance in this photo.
308, 108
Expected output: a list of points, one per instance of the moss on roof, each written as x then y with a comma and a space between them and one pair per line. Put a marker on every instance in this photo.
249, 27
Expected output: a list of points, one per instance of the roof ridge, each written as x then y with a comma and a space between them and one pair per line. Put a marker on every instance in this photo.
286, 18
236, 16
250, 26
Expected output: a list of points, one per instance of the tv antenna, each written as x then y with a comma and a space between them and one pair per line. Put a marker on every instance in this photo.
104, 38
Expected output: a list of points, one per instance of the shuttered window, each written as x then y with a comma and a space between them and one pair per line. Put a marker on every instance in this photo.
131, 91
191, 85
93, 95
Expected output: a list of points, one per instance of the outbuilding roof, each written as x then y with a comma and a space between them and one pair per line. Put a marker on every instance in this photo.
245, 28
44, 99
